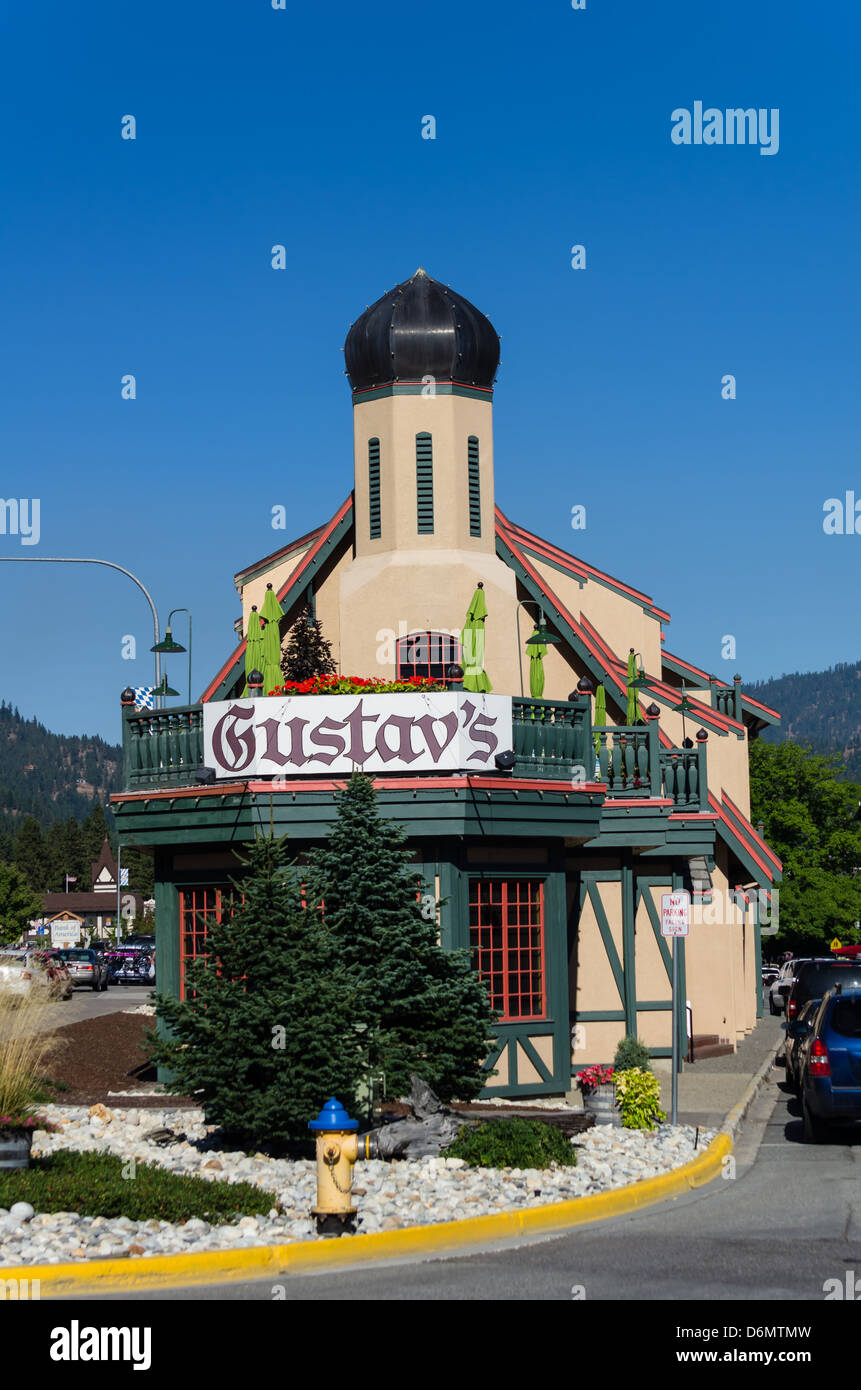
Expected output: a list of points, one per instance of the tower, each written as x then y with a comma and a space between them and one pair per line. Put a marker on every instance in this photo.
422, 362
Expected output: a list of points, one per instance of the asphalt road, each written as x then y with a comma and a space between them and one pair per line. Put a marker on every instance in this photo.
789, 1219
87, 1003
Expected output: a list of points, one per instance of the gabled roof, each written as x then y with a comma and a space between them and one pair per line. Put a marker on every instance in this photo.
761, 716
747, 844
560, 559
325, 538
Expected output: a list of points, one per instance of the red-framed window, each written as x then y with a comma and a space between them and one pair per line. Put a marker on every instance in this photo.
197, 907
506, 934
427, 654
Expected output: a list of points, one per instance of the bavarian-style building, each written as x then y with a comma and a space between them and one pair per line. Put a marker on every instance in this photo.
552, 836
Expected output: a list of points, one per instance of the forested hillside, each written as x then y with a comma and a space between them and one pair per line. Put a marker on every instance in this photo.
51, 776
819, 708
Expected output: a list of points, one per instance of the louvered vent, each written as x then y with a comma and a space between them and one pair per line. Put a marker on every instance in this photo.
474, 486
374, 487
424, 484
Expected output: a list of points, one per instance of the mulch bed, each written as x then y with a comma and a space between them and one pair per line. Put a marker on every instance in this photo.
105, 1054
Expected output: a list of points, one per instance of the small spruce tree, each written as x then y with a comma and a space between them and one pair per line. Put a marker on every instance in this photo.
264, 1036
425, 1009
308, 652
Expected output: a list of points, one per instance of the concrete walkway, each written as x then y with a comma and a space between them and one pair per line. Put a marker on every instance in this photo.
708, 1090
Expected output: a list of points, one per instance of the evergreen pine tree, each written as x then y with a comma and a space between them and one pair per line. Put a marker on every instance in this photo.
425, 1009
264, 1036
308, 652
93, 831
31, 855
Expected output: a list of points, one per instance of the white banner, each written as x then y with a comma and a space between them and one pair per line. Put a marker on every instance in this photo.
280, 736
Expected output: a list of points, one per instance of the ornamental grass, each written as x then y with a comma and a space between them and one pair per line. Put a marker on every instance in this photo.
26, 1043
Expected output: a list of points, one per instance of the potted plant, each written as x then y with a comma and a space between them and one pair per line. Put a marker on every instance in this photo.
599, 1093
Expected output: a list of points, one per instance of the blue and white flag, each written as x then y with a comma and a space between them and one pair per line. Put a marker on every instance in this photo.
124, 878
143, 697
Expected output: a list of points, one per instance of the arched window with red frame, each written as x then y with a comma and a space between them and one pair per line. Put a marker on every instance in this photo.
427, 654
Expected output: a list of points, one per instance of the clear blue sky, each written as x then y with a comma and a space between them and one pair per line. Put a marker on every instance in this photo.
258, 126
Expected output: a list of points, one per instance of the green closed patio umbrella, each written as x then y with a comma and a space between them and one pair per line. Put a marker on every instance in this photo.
271, 668
537, 653
600, 720
253, 646
475, 677
632, 713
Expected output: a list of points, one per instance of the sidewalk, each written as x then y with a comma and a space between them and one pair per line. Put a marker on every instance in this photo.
708, 1090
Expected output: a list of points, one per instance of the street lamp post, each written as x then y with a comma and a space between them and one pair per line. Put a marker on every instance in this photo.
168, 646
76, 560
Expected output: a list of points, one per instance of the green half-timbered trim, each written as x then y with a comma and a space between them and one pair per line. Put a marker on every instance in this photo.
424, 388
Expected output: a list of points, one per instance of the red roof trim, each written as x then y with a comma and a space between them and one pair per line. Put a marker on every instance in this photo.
749, 828
294, 574
279, 554
766, 869
569, 618
572, 563
749, 700
301, 784
613, 801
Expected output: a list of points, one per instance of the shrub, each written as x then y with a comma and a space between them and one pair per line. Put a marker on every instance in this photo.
638, 1095
631, 1054
92, 1184
512, 1144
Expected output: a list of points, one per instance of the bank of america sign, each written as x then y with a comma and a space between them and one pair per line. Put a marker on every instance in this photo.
282, 736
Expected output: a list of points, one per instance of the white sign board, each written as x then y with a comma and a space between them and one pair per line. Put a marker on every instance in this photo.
676, 913
286, 736
65, 933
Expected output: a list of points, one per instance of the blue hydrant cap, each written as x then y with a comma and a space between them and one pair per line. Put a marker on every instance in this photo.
333, 1116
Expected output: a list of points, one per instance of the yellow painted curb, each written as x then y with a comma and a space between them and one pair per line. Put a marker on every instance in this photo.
308, 1257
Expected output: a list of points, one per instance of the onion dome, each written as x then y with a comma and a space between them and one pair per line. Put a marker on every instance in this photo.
421, 328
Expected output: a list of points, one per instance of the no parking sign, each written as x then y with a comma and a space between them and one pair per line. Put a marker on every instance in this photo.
676, 913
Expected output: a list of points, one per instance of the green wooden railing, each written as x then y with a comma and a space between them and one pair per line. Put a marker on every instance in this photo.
162, 748
553, 739
684, 777
631, 761
728, 700
628, 759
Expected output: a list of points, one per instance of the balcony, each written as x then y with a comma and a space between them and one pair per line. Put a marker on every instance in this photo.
632, 762
551, 740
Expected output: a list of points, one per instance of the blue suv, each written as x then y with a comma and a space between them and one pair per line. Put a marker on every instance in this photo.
830, 1064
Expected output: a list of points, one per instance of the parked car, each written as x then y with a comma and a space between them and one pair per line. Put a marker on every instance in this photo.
815, 978
797, 1030
21, 972
86, 967
131, 964
779, 991
830, 1062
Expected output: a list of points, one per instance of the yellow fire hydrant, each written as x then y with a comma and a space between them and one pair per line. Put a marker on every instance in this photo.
337, 1151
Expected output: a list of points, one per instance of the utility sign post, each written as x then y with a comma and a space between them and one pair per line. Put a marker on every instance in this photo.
675, 921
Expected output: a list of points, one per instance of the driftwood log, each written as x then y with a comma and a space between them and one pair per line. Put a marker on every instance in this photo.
430, 1127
